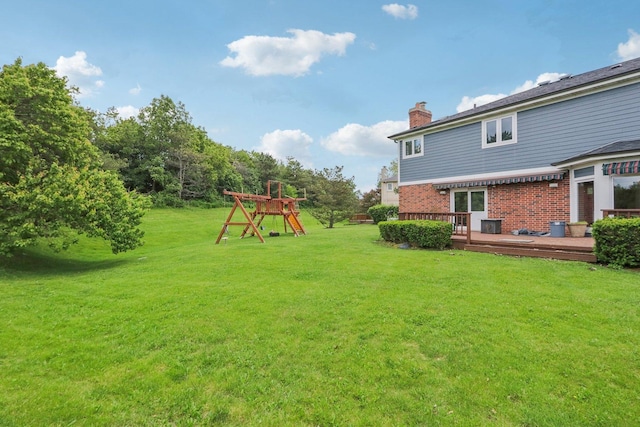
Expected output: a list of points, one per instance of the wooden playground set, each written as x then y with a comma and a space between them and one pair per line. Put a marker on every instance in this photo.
286, 207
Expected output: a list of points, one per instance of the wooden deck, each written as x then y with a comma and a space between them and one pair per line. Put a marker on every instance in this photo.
564, 248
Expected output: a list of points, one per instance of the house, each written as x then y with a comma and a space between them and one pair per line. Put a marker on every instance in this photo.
388, 188
562, 151
389, 191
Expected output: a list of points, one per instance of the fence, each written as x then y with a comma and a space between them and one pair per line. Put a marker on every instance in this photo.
628, 213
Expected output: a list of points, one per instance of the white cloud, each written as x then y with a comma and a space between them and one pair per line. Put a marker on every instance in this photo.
136, 90
80, 73
366, 141
468, 102
399, 11
287, 143
544, 77
127, 111
630, 49
289, 56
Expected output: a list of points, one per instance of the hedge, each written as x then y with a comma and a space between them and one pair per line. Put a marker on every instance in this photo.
420, 233
617, 241
382, 212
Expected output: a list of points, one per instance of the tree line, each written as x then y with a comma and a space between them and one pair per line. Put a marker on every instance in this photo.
162, 154
66, 169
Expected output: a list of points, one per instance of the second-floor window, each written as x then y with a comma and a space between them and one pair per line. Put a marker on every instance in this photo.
499, 131
412, 148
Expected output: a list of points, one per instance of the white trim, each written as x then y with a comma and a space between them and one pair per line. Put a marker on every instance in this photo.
605, 158
548, 99
602, 184
506, 174
485, 176
498, 120
476, 220
413, 147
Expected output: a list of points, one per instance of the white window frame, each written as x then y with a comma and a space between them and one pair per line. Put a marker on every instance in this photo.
499, 142
389, 186
416, 142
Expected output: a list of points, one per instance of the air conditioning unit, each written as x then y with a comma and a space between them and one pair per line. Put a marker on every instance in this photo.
491, 226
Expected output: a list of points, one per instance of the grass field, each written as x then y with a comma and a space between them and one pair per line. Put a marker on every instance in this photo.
331, 328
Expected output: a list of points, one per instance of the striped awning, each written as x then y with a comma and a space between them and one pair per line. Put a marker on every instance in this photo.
501, 181
621, 168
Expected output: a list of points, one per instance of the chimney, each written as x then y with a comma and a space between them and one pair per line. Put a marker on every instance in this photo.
419, 115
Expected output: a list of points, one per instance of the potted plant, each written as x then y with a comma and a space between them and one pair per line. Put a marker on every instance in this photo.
578, 229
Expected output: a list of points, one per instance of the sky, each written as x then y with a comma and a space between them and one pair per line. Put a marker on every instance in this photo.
325, 82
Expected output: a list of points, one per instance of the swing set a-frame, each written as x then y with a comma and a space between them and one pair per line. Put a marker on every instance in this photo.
264, 206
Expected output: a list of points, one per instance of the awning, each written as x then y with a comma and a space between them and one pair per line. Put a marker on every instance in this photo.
501, 181
621, 168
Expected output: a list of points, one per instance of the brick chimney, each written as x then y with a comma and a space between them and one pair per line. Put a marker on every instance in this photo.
419, 115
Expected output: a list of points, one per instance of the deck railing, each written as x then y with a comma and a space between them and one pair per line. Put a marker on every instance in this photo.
461, 221
627, 213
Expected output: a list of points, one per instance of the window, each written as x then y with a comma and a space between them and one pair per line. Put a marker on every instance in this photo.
412, 148
581, 173
500, 131
626, 192
389, 186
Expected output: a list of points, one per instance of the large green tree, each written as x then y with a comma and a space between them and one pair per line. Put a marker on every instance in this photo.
161, 152
368, 199
51, 182
299, 178
334, 195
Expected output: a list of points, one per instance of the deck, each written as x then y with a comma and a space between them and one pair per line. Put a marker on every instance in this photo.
564, 248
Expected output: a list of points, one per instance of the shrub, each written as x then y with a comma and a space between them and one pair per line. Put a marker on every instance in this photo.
617, 241
420, 233
382, 212
166, 200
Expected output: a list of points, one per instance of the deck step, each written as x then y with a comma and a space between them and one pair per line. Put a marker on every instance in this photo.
566, 253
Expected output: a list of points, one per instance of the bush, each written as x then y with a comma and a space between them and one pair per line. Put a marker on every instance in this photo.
420, 233
382, 212
166, 200
617, 241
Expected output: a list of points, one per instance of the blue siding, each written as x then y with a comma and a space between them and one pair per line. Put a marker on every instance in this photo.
545, 135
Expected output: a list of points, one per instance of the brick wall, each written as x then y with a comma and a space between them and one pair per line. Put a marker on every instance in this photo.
423, 198
531, 205
419, 115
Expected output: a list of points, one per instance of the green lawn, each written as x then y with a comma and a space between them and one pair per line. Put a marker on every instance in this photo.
331, 328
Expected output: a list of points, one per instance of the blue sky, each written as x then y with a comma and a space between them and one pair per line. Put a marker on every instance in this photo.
323, 81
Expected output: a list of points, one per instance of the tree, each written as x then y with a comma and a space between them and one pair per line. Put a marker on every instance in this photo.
335, 196
246, 170
368, 199
162, 153
267, 168
299, 178
386, 172
51, 182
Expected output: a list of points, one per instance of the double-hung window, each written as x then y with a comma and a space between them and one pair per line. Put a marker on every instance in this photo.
499, 131
412, 148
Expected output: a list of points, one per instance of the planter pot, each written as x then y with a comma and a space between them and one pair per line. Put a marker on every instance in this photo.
577, 230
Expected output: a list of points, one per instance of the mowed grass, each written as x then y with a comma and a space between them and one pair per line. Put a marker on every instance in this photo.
331, 328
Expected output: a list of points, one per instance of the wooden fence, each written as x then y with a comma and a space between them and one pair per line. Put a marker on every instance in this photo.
627, 213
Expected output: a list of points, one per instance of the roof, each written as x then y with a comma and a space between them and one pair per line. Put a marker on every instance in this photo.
566, 83
617, 147
392, 178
